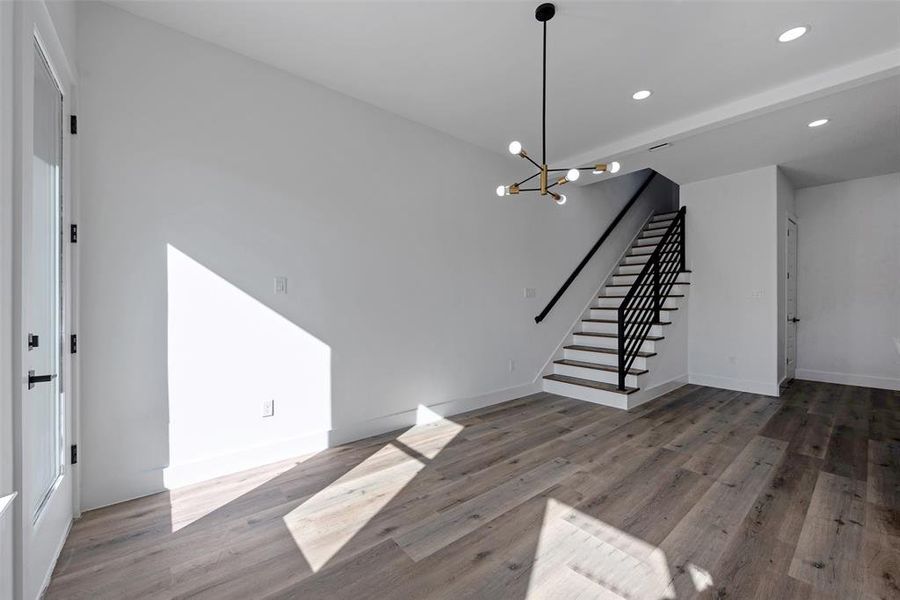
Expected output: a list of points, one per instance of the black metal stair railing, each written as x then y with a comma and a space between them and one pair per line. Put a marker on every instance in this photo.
593, 250
641, 306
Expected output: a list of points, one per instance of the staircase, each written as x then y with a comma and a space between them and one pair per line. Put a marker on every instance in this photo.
589, 367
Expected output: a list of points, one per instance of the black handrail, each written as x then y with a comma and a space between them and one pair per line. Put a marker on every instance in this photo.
593, 250
641, 306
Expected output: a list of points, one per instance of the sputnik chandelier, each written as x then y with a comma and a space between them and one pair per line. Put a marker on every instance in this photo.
544, 13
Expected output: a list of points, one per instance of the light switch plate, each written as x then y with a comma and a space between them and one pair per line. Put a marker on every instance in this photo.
530, 292
268, 409
281, 285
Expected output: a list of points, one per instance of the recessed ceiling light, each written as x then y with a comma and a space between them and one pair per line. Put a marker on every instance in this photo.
818, 123
793, 33
641, 95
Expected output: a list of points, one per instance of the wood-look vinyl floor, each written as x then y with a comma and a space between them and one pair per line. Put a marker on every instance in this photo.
702, 493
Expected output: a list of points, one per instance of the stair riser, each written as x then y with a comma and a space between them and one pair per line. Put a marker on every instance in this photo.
602, 358
677, 289
613, 343
638, 261
587, 394
648, 241
604, 302
661, 218
595, 375
611, 314
655, 330
630, 269
630, 279
652, 233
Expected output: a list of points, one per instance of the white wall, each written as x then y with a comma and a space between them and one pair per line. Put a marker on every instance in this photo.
401, 261
733, 307
849, 282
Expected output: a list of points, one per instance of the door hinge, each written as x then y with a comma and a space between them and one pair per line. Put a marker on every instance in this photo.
73, 454
73, 124
73, 344
73, 233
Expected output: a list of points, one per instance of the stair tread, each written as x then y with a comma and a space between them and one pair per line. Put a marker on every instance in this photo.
605, 350
597, 385
615, 321
596, 366
628, 285
641, 296
651, 338
664, 309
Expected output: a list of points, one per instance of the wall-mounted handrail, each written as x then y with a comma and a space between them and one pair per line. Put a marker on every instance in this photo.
593, 250
641, 306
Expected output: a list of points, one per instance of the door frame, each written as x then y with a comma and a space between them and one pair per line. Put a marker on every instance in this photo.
787, 228
33, 24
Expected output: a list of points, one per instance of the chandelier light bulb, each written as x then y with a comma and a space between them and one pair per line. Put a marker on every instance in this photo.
560, 199
792, 34
515, 148
613, 167
573, 174
501, 190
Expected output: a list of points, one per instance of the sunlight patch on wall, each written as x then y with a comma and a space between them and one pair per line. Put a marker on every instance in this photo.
228, 353
581, 556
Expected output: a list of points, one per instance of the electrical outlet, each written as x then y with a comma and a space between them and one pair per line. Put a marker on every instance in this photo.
512, 365
281, 285
268, 408
529, 292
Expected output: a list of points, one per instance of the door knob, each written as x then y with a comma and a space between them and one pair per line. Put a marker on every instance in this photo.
33, 379
795, 320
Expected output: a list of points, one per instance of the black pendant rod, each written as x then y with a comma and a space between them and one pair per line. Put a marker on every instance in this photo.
544, 104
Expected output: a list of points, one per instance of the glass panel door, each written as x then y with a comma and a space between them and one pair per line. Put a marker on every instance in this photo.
43, 402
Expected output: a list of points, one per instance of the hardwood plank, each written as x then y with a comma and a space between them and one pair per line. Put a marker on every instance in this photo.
813, 436
447, 527
847, 453
702, 535
829, 550
765, 542
884, 474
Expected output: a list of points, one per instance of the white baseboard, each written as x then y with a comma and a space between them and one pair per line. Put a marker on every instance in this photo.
179, 475
644, 396
407, 418
738, 385
871, 381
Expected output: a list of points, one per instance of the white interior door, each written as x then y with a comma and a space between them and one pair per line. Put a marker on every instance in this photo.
791, 300
43, 473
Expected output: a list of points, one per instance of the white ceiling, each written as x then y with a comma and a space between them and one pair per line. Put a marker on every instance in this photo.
862, 139
720, 78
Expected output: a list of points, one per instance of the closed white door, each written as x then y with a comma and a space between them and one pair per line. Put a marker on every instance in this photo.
44, 474
791, 300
